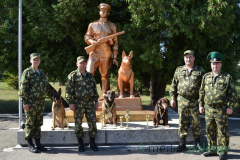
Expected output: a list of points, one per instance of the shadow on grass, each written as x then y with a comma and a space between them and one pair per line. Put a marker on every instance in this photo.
11, 106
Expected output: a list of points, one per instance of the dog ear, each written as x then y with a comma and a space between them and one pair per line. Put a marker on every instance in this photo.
59, 91
105, 94
160, 101
113, 92
131, 54
123, 54
168, 101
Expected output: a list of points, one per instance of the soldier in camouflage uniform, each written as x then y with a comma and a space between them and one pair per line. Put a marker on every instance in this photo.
217, 97
185, 86
33, 90
81, 93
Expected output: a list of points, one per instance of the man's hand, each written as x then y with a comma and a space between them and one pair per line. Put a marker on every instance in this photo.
26, 107
229, 111
173, 103
72, 107
201, 110
115, 62
96, 105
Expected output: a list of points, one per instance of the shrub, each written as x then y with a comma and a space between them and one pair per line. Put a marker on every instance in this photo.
11, 80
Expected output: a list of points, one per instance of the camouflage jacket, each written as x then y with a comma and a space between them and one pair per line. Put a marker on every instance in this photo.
219, 91
186, 84
79, 87
33, 85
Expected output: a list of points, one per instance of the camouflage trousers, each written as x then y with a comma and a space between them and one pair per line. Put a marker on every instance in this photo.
186, 107
87, 108
217, 129
34, 118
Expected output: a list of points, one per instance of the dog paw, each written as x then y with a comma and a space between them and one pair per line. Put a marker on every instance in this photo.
131, 96
121, 96
167, 126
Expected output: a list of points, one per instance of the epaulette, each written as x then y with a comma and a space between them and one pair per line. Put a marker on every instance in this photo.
179, 68
225, 73
206, 74
73, 72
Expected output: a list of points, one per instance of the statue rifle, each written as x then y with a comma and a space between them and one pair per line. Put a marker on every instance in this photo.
102, 40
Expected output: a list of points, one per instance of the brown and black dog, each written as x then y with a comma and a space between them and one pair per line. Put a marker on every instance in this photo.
58, 111
109, 108
160, 116
126, 76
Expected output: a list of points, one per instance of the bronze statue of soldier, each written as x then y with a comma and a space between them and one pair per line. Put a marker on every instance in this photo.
101, 36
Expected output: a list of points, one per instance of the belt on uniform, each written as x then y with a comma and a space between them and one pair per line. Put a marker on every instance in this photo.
189, 98
83, 99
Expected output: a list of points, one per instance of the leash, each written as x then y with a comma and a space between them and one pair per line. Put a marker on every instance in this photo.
109, 109
161, 115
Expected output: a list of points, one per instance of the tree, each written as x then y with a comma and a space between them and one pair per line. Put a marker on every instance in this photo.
157, 31
54, 28
165, 29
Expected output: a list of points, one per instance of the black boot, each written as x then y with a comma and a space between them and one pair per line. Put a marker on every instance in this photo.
39, 146
210, 154
31, 147
182, 146
223, 157
93, 145
197, 144
81, 145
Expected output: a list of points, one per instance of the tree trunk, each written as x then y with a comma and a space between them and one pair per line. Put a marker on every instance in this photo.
157, 88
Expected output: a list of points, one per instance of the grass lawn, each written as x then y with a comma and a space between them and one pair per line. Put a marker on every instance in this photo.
9, 98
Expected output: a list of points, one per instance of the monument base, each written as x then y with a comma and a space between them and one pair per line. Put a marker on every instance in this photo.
135, 115
122, 104
138, 133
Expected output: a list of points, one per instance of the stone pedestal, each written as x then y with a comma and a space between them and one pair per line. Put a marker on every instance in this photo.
137, 133
134, 105
135, 115
122, 104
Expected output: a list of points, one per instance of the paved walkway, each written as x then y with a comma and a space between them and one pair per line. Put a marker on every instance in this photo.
10, 150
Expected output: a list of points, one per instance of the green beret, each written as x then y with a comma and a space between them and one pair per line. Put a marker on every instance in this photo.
34, 55
215, 57
81, 58
188, 52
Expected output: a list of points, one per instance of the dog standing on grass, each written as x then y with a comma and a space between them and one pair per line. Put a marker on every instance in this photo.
109, 108
160, 116
58, 111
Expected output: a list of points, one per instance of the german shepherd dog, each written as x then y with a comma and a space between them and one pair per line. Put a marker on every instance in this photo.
160, 116
58, 111
109, 108
126, 76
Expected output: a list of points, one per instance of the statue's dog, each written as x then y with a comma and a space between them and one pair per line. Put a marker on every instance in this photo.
109, 108
160, 116
126, 76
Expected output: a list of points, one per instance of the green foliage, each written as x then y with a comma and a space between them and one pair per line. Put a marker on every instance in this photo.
11, 80
202, 26
157, 31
